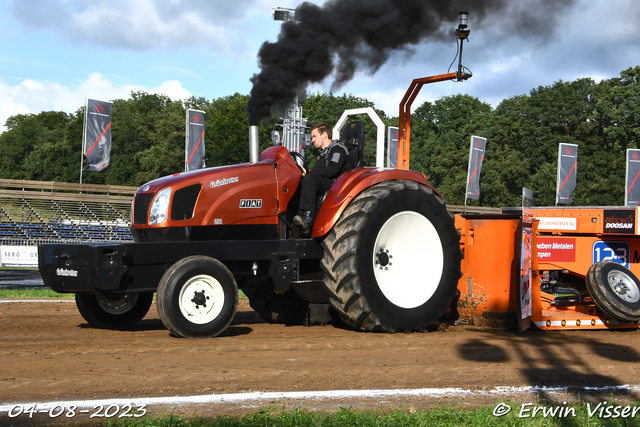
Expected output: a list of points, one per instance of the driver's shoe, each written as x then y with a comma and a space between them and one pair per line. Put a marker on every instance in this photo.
304, 221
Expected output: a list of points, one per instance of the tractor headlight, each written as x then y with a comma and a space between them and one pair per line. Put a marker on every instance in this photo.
160, 207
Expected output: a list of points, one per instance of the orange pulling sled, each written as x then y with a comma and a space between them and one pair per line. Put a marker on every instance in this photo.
560, 268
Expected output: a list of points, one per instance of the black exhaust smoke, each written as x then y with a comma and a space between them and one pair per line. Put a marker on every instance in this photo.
348, 35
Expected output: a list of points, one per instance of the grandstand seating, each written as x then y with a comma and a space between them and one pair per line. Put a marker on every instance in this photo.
63, 213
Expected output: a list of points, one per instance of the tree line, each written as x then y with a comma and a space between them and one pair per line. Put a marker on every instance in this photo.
523, 133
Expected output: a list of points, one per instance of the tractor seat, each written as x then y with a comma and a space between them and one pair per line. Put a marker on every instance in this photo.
353, 138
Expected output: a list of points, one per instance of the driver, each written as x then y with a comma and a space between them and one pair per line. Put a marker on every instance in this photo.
328, 167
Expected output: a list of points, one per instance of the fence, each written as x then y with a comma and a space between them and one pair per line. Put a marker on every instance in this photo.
461, 209
34, 212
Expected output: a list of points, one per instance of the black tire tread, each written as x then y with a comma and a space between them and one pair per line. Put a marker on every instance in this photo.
605, 300
90, 310
288, 308
164, 296
339, 261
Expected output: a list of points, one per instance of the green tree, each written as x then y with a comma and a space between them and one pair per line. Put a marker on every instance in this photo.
166, 143
328, 108
227, 131
440, 137
30, 146
523, 132
535, 125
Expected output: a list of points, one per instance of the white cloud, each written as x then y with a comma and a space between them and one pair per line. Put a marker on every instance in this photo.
143, 24
173, 89
32, 96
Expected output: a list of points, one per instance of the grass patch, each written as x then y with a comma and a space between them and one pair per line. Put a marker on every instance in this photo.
45, 293
439, 416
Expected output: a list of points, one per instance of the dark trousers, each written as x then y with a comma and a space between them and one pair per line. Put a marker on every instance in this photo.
312, 186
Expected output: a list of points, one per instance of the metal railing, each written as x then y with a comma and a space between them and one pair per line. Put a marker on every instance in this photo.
35, 212
461, 209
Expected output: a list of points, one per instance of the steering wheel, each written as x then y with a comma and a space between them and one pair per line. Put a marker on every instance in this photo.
300, 161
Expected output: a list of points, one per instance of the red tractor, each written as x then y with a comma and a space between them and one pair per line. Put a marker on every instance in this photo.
384, 252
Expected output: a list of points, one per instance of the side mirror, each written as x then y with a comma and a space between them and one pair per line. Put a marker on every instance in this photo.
276, 137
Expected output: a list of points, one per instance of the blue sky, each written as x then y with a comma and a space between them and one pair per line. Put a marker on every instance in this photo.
55, 53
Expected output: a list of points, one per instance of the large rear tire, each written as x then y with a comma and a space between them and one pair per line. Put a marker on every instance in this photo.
392, 261
287, 308
122, 312
615, 290
197, 297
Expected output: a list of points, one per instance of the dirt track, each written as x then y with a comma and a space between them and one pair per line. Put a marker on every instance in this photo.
48, 352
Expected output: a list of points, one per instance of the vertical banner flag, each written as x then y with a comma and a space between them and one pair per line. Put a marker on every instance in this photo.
632, 183
392, 147
527, 197
476, 156
567, 170
96, 146
194, 153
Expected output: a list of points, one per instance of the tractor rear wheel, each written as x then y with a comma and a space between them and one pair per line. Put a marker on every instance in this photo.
392, 261
287, 308
197, 297
615, 290
121, 312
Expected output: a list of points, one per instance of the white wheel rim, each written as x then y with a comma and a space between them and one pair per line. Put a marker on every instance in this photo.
201, 299
119, 305
408, 259
623, 286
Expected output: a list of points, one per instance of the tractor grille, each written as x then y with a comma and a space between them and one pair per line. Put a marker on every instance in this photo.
184, 201
141, 208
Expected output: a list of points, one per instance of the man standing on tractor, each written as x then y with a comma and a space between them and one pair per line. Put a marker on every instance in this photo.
319, 180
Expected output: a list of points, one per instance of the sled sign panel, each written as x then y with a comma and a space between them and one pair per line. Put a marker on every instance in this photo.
617, 250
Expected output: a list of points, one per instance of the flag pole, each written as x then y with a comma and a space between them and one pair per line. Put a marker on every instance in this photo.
84, 135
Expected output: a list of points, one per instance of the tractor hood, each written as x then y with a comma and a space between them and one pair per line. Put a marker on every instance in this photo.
187, 177
244, 194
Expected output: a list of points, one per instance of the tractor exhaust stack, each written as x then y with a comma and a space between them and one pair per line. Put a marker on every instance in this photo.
254, 144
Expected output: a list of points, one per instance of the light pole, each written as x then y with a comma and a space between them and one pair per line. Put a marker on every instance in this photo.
283, 14
462, 32
294, 125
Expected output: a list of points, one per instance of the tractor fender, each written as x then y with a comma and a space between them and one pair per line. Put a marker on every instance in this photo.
352, 183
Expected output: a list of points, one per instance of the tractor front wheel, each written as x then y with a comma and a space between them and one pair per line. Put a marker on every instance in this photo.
392, 261
197, 297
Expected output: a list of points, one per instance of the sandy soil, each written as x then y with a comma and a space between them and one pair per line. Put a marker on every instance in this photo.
48, 352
